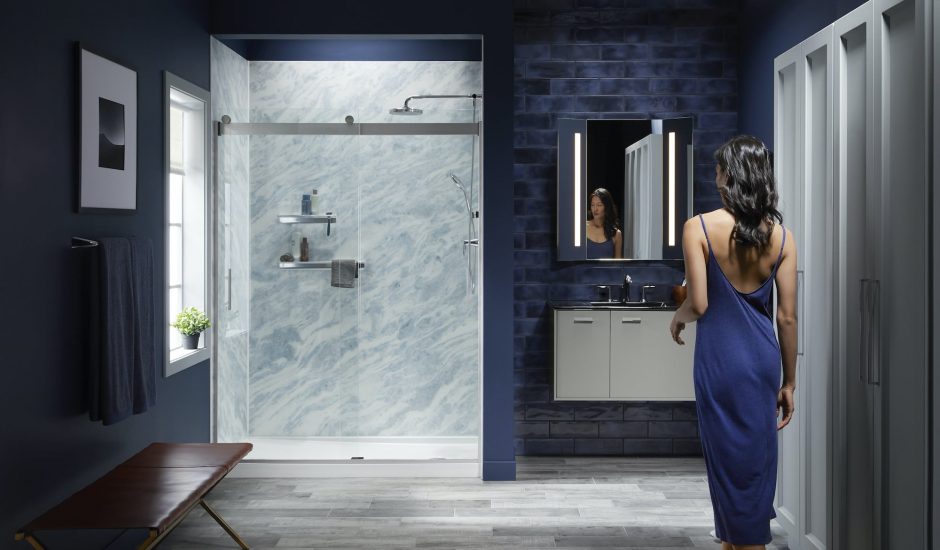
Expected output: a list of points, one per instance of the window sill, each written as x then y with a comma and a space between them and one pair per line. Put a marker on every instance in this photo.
181, 359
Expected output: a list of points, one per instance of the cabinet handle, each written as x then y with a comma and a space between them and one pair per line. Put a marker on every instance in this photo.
870, 329
799, 312
588, 320
631, 320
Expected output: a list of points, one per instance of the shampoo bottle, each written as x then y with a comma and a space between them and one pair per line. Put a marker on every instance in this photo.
314, 202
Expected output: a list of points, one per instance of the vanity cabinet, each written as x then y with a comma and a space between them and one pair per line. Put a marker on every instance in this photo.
621, 355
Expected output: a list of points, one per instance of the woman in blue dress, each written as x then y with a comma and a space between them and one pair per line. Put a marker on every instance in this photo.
604, 238
734, 257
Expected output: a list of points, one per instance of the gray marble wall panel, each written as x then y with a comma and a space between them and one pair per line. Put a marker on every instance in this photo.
229, 74
397, 355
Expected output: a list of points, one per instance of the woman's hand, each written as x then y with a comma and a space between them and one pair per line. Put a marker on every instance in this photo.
785, 402
675, 328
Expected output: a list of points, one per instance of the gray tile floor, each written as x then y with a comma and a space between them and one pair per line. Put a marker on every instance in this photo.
572, 503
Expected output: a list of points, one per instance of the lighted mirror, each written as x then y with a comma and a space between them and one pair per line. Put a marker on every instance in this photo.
624, 188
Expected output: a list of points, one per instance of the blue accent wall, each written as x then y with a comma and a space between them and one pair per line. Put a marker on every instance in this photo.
356, 49
605, 59
768, 29
491, 19
50, 447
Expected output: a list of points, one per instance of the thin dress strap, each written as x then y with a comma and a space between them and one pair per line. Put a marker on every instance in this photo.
701, 219
782, 244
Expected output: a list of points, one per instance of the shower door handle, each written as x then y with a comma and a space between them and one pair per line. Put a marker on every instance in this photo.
228, 291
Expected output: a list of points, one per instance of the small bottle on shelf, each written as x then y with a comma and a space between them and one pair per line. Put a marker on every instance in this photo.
304, 250
305, 209
314, 202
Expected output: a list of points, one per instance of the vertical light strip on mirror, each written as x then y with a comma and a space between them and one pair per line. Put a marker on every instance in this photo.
672, 188
577, 189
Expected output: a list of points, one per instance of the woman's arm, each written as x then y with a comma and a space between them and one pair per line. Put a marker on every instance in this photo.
618, 244
786, 311
696, 301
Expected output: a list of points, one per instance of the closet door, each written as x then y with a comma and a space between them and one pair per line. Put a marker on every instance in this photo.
899, 365
815, 286
857, 426
788, 131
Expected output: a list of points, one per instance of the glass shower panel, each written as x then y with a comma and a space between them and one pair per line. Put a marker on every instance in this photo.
418, 330
304, 347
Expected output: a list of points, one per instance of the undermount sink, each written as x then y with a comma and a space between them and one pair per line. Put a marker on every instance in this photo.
631, 305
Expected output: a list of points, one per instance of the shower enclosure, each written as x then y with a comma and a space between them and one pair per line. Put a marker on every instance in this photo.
385, 372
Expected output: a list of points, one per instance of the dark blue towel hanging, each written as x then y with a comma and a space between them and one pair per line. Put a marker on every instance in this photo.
123, 374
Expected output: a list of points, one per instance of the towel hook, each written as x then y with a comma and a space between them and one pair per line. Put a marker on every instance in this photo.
82, 242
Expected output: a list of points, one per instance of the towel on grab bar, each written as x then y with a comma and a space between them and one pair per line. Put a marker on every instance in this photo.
343, 273
123, 372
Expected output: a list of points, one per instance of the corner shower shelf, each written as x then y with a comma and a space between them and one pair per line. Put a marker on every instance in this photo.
310, 265
299, 218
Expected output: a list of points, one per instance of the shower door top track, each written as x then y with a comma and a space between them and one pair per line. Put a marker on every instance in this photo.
351, 129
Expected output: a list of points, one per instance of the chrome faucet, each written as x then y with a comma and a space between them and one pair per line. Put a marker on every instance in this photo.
643, 292
625, 289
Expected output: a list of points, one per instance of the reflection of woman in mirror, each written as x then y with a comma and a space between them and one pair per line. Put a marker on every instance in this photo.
734, 257
604, 238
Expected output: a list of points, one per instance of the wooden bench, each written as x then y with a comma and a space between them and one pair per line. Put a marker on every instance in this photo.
154, 490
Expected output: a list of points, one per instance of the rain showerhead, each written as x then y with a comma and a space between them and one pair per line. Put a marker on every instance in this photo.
406, 110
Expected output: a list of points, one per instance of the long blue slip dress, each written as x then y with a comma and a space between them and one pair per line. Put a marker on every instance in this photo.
737, 378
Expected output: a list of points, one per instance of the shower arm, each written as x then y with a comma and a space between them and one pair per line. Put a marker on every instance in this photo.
471, 96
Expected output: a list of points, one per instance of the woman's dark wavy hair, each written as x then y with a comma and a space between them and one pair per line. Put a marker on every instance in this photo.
750, 193
611, 216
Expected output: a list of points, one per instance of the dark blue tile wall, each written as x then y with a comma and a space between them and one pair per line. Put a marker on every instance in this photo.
605, 59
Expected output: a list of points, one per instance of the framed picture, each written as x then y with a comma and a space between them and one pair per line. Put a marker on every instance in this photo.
107, 134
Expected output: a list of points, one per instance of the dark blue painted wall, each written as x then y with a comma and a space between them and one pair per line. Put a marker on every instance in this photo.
493, 20
768, 29
357, 49
50, 448
605, 59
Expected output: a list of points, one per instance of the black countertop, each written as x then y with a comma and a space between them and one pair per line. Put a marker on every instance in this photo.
584, 304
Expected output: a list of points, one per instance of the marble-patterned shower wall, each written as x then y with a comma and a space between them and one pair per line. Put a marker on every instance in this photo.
398, 354
229, 81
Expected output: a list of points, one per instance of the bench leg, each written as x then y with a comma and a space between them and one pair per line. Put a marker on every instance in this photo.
31, 539
231, 532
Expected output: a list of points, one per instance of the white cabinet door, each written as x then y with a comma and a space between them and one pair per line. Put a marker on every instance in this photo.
899, 363
815, 288
788, 133
856, 523
645, 364
582, 354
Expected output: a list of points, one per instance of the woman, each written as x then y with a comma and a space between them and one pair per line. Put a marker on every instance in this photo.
604, 239
731, 256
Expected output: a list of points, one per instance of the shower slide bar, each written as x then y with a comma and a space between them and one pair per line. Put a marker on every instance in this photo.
349, 129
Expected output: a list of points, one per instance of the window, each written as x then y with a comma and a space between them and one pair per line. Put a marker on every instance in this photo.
187, 214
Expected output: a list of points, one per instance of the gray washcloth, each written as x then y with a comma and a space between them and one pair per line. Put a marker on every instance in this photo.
343, 273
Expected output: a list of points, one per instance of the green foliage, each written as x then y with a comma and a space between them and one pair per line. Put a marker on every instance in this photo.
191, 321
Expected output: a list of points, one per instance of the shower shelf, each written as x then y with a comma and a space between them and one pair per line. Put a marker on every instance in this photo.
310, 265
299, 218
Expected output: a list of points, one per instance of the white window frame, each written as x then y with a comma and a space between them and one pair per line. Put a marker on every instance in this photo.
176, 360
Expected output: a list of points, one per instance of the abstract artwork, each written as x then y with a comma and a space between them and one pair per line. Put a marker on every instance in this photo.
108, 134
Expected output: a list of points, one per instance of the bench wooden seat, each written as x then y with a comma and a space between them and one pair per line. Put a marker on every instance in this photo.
154, 490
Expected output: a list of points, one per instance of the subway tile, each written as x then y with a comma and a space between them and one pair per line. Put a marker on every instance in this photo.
573, 429
575, 52
624, 86
706, 103
600, 18
549, 447
647, 34
647, 447
550, 69
690, 447
550, 411
589, 447
534, 155
601, 103
531, 429
598, 69
599, 35
531, 51
548, 103
600, 411
647, 411
623, 429
682, 51
574, 86
673, 429
624, 52
538, 86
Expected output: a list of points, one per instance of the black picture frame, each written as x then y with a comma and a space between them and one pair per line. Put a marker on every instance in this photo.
107, 134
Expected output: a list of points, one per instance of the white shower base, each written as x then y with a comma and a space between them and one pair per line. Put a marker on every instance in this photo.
381, 457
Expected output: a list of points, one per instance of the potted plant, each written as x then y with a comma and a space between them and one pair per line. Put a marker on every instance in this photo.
191, 322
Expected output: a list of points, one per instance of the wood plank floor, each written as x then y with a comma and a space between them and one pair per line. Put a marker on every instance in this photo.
562, 502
